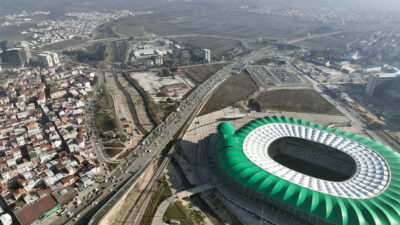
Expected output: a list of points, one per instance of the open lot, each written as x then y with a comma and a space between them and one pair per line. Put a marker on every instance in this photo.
218, 47
113, 151
295, 100
200, 73
217, 21
104, 115
63, 44
162, 192
256, 45
234, 89
153, 84
176, 211
127, 27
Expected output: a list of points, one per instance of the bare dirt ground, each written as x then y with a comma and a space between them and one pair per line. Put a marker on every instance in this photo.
218, 47
234, 89
123, 114
295, 100
144, 120
201, 73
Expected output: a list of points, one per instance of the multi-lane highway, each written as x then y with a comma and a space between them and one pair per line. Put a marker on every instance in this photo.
120, 179
129, 169
127, 172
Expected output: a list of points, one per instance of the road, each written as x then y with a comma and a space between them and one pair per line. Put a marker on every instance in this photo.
377, 135
127, 172
159, 138
89, 118
156, 141
313, 36
141, 157
136, 216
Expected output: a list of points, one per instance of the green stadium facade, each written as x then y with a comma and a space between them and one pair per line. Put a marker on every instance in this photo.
355, 205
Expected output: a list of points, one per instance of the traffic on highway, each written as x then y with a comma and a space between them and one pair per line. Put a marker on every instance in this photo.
119, 180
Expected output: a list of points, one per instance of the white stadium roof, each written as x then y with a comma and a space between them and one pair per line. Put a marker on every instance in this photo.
372, 174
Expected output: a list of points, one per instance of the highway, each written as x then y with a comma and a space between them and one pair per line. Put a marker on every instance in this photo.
129, 169
149, 148
136, 216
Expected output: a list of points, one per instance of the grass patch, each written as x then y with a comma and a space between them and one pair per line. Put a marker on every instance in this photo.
201, 73
257, 45
296, 100
176, 211
264, 61
129, 28
197, 216
114, 145
122, 137
104, 115
112, 166
64, 44
126, 153
163, 192
112, 151
234, 89
218, 47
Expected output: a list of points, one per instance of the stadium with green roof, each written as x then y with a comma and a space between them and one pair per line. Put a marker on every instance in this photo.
315, 173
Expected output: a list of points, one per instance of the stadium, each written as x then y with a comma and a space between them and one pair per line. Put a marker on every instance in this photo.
317, 174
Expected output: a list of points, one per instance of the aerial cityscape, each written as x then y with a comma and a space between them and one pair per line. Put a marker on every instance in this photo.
199, 112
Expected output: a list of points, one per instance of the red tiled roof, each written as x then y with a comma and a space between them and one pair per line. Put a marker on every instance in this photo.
36, 210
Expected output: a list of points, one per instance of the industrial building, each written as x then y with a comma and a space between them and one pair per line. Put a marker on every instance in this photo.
206, 55
379, 84
317, 174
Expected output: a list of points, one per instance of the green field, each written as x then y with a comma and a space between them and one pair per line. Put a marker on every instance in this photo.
112, 166
126, 153
216, 21
234, 89
256, 45
296, 100
176, 211
200, 73
63, 44
163, 192
219, 47
111, 152
114, 145
129, 28
104, 114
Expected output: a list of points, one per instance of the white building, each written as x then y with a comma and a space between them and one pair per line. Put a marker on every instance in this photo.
54, 58
158, 60
6, 219
45, 60
385, 82
369, 89
207, 55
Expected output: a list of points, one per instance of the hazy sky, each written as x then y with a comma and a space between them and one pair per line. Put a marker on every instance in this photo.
60, 5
